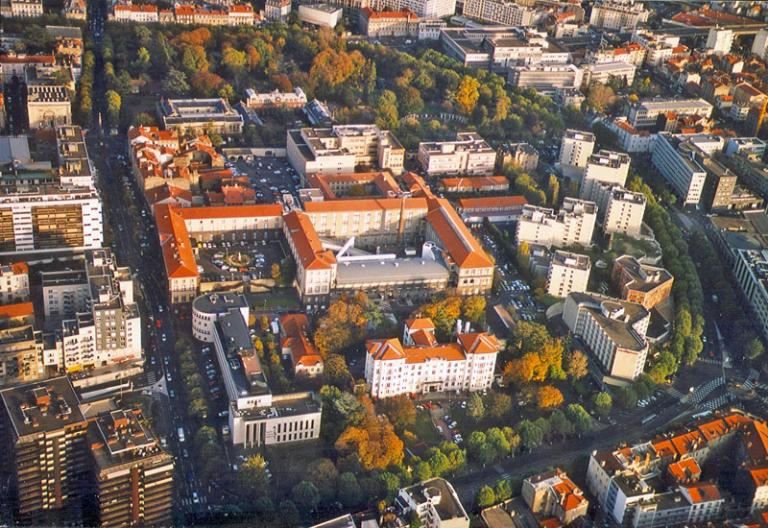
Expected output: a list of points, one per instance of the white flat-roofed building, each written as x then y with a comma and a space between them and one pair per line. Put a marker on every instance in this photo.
74, 164
49, 218
546, 78
645, 114
435, 503
751, 272
427, 9
420, 364
623, 211
48, 105
207, 308
606, 167
677, 162
618, 15
613, 330
468, 154
500, 12
200, 116
575, 149
321, 15
14, 283
295, 99
340, 149
631, 139
573, 224
603, 72
760, 44
719, 40
568, 272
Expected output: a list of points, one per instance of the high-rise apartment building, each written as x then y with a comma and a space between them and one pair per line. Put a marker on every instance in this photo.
575, 149
618, 14
568, 272
573, 224
500, 12
719, 40
468, 154
607, 167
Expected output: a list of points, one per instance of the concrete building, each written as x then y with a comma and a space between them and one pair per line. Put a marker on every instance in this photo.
276, 99
340, 149
631, 139
21, 8
618, 15
419, 364
604, 72
677, 161
134, 476
388, 23
623, 211
49, 218
14, 283
494, 209
100, 320
613, 330
499, 12
641, 283
256, 416
48, 105
435, 502
750, 272
520, 154
760, 44
469, 154
553, 494
425, 9
573, 224
575, 149
74, 164
21, 346
719, 40
476, 184
199, 116
604, 167
546, 78
320, 15
645, 114
45, 451
568, 272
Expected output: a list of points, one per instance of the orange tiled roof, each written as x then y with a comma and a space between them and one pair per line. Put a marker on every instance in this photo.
568, 494
756, 441
385, 349
420, 323
368, 204
174, 241
759, 476
24, 59
308, 246
403, 14
684, 470
703, 492
423, 338
479, 343
475, 182
10, 311
456, 239
19, 268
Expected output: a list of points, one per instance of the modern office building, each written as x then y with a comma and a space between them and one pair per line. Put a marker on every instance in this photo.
760, 44
568, 272
613, 330
342, 148
419, 364
751, 272
573, 224
641, 283
320, 15
678, 162
469, 154
719, 40
199, 116
604, 72
546, 78
49, 218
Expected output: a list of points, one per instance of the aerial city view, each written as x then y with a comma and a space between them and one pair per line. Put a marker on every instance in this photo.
384, 263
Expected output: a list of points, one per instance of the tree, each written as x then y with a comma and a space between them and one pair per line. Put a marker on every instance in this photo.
206, 84
234, 60
386, 110
577, 365
175, 82
389, 484
349, 490
400, 411
599, 96
467, 94
252, 478
529, 337
438, 463
627, 398
473, 309
603, 403
114, 103
580, 418
754, 349
486, 497
531, 435
553, 189
422, 471
497, 405
374, 442
305, 495
322, 473
548, 397
444, 313
503, 490
162, 55
559, 424
479, 448
289, 514
276, 272
336, 372
475, 406
193, 59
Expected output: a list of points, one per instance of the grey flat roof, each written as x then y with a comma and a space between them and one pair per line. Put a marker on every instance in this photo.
218, 302
393, 270
28, 418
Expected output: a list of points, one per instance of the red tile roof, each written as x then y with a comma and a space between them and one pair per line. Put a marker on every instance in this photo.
10, 311
308, 246
703, 492
455, 238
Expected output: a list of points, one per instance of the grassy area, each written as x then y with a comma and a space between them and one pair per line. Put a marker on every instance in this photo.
280, 299
424, 432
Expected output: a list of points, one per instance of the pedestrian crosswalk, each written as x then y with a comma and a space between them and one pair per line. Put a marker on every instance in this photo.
702, 392
674, 393
716, 402
709, 361
751, 381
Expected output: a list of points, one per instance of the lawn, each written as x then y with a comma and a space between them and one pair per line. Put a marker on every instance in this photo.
278, 300
425, 433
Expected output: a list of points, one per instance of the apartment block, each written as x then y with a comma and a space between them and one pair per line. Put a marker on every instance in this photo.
607, 167
631, 139
760, 44
425, 9
134, 476
199, 116
14, 283
494, 209
618, 15
677, 161
568, 272
45, 462
74, 165
256, 416
340, 149
603, 72
500, 12
624, 212
641, 283
49, 218
21, 8
573, 224
553, 494
575, 149
546, 78
100, 320
48, 105
419, 364
719, 40
388, 23
750, 271
613, 330
21, 345
469, 154
434, 502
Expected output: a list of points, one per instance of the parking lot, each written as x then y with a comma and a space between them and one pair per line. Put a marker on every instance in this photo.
244, 260
271, 177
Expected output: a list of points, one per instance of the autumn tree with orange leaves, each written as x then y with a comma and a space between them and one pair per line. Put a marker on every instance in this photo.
374, 442
548, 397
344, 324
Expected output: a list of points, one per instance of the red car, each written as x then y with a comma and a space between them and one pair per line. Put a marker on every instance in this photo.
158, 323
